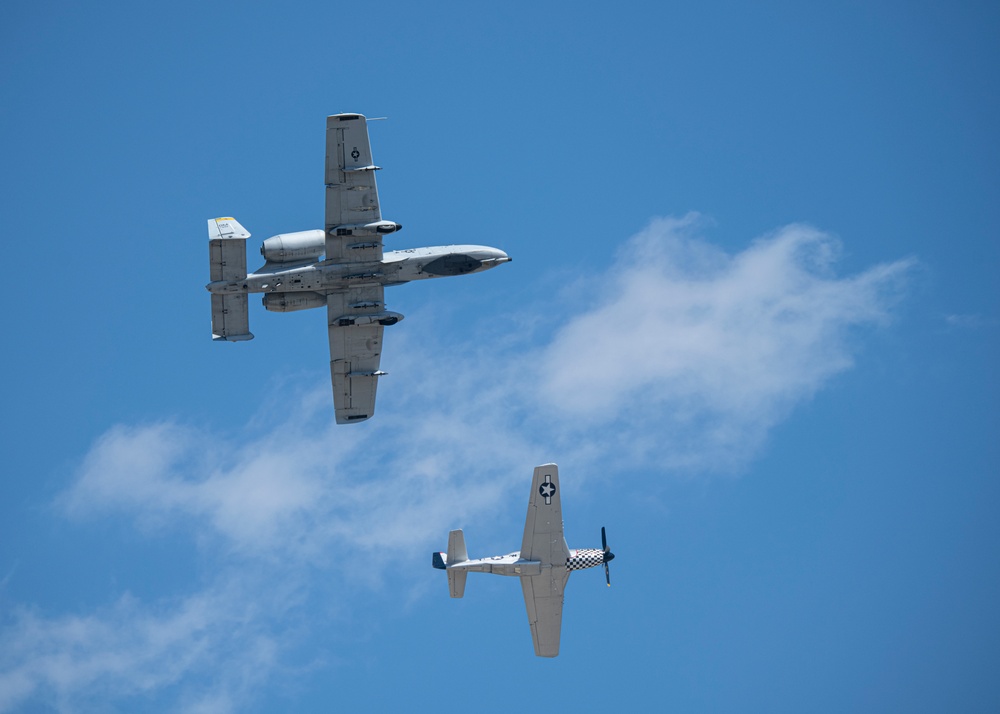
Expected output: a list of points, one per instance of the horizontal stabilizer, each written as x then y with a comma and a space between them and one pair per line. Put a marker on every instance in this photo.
456, 548
456, 554
456, 582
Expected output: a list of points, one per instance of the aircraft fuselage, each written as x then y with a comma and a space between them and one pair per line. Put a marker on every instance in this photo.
395, 268
513, 564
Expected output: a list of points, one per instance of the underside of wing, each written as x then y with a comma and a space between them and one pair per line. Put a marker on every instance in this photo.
543, 527
355, 351
543, 599
352, 207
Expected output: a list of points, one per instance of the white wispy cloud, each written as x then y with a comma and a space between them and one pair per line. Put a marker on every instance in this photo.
291, 493
700, 353
211, 647
681, 358
968, 322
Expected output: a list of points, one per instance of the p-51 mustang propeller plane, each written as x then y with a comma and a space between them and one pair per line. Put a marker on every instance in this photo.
341, 267
543, 563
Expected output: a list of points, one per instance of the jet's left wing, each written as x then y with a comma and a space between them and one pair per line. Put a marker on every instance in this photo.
544, 541
355, 350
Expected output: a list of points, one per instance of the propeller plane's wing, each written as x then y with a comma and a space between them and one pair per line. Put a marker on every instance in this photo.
544, 542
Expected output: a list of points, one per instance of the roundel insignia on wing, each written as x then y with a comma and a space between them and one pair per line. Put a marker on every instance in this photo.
355, 154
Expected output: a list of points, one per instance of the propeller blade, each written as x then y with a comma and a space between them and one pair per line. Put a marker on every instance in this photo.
608, 555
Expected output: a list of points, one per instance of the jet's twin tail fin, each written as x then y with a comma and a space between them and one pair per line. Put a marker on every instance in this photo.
227, 256
456, 554
226, 228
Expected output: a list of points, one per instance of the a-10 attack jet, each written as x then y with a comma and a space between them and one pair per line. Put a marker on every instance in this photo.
543, 563
341, 268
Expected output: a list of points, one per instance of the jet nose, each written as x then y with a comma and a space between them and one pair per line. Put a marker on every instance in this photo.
492, 257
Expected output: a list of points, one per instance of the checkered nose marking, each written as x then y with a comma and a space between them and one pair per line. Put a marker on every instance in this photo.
585, 558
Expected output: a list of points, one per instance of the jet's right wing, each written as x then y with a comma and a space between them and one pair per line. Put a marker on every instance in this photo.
544, 541
355, 351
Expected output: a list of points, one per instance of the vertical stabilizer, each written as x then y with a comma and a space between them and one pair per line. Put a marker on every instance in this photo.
227, 248
226, 228
230, 318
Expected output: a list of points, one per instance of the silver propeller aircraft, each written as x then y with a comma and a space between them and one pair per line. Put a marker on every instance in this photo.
543, 563
341, 268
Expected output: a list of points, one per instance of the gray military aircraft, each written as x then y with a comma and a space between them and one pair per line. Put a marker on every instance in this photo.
341, 268
543, 563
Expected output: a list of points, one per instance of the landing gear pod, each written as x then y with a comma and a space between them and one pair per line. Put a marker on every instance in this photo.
292, 302
381, 318
380, 227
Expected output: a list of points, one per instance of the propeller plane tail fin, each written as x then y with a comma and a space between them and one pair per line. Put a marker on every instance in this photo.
456, 554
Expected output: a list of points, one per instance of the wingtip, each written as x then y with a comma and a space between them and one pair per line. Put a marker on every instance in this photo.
353, 418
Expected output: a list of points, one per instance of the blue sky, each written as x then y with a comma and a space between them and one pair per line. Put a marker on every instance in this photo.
752, 314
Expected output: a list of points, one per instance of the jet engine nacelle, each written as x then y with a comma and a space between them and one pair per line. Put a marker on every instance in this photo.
290, 302
294, 247
381, 227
